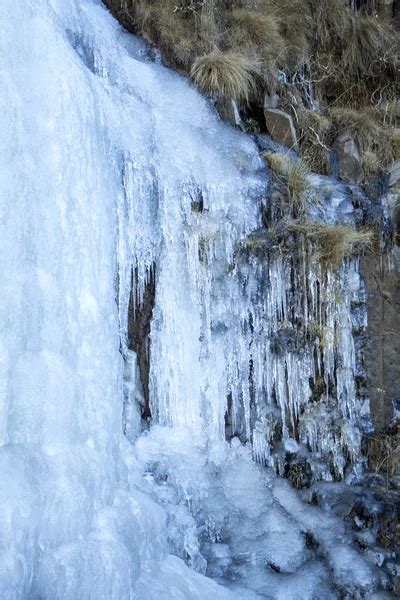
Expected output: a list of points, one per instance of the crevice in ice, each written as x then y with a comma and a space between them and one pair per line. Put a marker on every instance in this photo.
140, 313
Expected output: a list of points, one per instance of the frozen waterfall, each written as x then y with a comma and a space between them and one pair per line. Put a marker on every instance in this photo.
115, 171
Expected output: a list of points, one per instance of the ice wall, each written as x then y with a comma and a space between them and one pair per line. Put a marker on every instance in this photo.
110, 164
79, 118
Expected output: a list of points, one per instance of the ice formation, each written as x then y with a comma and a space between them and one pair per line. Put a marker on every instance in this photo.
114, 171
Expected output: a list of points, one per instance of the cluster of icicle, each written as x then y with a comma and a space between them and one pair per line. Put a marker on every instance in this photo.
215, 350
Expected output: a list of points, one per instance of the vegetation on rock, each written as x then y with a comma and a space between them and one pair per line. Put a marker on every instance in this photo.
334, 243
332, 68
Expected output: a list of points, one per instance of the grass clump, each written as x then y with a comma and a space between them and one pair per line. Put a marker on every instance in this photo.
310, 52
299, 186
379, 143
383, 451
296, 173
257, 34
370, 47
314, 139
359, 123
277, 162
331, 19
371, 163
334, 243
296, 28
394, 145
229, 75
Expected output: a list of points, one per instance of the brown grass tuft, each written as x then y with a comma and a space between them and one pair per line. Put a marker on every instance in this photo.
383, 451
334, 243
371, 163
278, 163
331, 19
257, 34
296, 28
299, 186
370, 47
394, 145
359, 123
297, 175
314, 132
229, 75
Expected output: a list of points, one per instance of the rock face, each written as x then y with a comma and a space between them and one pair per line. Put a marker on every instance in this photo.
349, 160
394, 177
280, 127
228, 111
383, 350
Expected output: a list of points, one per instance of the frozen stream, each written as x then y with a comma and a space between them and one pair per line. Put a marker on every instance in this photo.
103, 157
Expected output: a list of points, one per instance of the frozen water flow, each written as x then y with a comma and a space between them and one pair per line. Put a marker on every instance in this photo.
115, 171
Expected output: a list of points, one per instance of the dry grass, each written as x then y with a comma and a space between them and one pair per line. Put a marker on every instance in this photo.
334, 243
257, 34
297, 176
278, 163
229, 75
359, 123
296, 28
299, 187
378, 142
370, 47
383, 451
301, 48
370, 163
387, 113
394, 145
331, 18
182, 31
314, 139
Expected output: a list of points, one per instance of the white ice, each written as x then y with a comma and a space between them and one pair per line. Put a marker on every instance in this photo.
102, 154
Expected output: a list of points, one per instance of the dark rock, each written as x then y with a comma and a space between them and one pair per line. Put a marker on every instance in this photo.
139, 322
311, 541
286, 340
280, 127
349, 160
228, 111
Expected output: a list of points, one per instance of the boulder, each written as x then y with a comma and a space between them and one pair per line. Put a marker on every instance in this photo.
280, 127
349, 159
228, 111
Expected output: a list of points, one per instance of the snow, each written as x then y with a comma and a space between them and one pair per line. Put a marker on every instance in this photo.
102, 155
